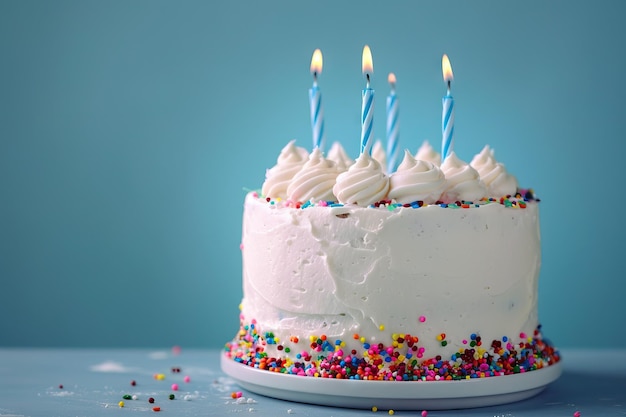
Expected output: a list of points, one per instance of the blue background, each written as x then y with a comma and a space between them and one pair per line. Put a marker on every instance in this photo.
128, 131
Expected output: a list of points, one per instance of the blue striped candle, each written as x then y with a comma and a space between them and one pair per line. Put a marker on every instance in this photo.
447, 115
315, 99
367, 104
393, 125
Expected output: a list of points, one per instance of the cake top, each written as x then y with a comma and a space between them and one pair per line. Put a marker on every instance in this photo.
309, 178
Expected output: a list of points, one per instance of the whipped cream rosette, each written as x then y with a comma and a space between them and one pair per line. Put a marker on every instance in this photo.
495, 176
379, 154
338, 155
427, 153
315, 180
416, 180
364, 183
463, 181
277, 178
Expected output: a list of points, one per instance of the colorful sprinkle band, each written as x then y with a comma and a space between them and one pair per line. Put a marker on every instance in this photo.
519, 200
401, 360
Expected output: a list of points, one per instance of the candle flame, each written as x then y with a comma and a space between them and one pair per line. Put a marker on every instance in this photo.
446, 68
391, 78
367, 63
316, 63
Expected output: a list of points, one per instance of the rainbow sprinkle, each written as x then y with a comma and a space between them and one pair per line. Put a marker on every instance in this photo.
520, 200
400, 360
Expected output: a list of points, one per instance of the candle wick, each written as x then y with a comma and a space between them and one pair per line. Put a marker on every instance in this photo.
367, 77
314, 77
448, 86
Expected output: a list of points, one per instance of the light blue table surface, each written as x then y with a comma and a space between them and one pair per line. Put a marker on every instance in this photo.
94, 381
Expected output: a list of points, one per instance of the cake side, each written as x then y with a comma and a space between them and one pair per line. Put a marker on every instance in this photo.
392, 291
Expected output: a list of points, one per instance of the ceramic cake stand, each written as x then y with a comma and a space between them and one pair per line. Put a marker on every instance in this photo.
422, 395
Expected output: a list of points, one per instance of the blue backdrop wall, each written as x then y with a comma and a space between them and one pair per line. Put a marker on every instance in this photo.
128, 131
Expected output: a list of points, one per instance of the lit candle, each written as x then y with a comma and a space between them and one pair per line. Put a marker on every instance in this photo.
393, 125
367, 106
315, 99
447, 116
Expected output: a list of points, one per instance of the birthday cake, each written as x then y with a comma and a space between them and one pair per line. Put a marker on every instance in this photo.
426, 274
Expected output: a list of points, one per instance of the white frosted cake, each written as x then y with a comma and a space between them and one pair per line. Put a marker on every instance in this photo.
427, 274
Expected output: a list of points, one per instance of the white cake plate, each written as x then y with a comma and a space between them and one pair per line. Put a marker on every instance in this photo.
422, 395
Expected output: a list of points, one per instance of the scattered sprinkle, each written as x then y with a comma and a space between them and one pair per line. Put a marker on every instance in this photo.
174, 387
151, 400
187, 379
374, 409
577, 414
156, 408
424, 413
121, 403
172, 396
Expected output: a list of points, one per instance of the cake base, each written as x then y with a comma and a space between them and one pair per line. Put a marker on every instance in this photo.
422, 395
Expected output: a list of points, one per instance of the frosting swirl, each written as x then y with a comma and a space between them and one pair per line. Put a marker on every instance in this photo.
364, 183
495, 176
315, 180
339, 156
277, 178
463, 181
427, 153
379, 154
416, 180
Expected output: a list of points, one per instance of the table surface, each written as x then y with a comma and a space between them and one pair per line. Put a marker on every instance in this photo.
92, 382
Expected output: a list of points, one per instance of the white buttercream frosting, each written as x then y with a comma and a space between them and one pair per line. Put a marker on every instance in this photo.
277, 178
427, 153
495, 176
416, 180
338, 155
345, 270
315, 180
463, 181
379, 154
364, 183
